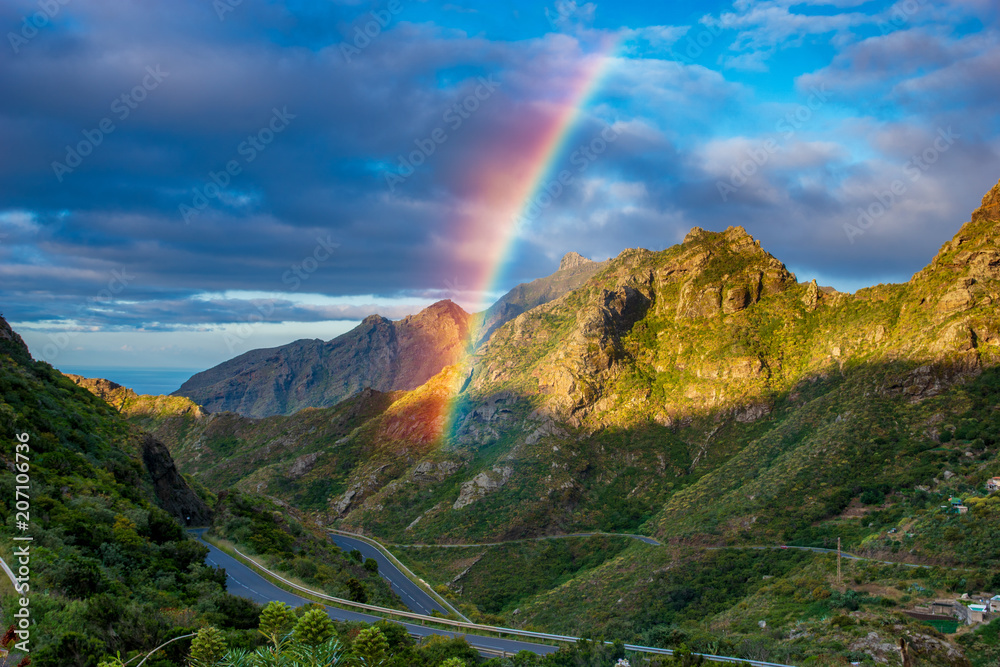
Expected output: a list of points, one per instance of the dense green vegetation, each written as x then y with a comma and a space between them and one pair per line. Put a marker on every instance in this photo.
494, 580
306, 637
299, 549
110, 570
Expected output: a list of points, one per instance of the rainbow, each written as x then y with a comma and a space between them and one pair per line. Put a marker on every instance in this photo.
512, 190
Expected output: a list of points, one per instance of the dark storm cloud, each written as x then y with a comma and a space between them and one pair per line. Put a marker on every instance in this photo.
211, 88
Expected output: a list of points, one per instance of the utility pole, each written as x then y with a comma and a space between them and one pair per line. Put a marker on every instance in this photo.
839, 580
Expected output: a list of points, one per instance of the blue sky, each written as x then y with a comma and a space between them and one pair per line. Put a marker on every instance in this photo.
233, 193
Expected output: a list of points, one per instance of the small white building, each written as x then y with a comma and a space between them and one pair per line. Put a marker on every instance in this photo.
977, 613
994, 603
993, 484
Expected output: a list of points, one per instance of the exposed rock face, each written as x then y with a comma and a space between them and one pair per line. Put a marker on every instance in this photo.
105, 389
572, 260
811, 297
706, 293
171, 490
482, 484
378, 353
302, 465
574, 270
737, 298
429, 472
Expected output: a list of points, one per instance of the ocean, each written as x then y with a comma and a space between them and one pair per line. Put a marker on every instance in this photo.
153, 381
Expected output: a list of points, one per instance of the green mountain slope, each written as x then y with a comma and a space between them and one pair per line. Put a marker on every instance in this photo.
698, 393
701, 395
574, 270
111, 568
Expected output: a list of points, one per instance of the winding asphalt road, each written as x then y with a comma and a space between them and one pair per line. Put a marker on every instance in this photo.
412, 595
246, 583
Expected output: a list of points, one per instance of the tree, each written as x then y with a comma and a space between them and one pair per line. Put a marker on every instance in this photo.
276, 621
357, 591
208, 647
314, 628
452, 662
371, 646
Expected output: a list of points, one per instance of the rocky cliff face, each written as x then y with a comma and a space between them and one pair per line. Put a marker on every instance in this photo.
173, 493
586, 338
378, 353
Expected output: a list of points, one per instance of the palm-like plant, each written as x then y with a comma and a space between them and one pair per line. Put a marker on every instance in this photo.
328, 654
237, 658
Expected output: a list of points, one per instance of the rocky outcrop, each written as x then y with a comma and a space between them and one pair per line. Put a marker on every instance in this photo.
302, 465
428, 472
172, 492
573, 260
719, 273
481, 485
378, 353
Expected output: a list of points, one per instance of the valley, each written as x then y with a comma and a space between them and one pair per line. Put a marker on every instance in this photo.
700, 396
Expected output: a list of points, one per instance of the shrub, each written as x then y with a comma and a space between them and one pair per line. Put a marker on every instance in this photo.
208, 647
371, 646
314, 628
276, 621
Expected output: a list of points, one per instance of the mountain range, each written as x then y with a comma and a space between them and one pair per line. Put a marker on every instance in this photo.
700, 395
700, 381
379, 354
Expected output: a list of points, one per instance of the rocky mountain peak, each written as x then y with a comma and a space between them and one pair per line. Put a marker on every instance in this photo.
971, 254
990, 208
444, 308
379, 353
572, 260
